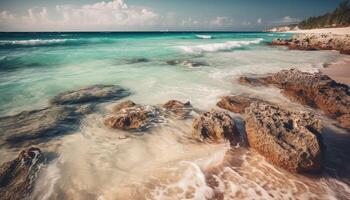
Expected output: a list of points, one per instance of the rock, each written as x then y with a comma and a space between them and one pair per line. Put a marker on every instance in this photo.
17, 177
188, 63
236, 104
91, 94
329, 41
215, 126
123, 105
255, 81
178, 109
136, 118
137, 60
43, 123
288, 139
315, 90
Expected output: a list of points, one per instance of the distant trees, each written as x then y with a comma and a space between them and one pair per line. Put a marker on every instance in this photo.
339, 17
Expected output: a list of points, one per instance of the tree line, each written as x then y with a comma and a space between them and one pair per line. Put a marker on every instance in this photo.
340, 17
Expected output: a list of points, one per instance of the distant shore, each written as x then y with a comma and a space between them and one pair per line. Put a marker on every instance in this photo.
337, 31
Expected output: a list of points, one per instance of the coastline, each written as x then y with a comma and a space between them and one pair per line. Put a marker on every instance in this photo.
336, 31
339, 71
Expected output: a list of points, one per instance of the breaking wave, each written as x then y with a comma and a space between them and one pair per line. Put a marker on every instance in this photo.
34, 42
214, 47
204, 36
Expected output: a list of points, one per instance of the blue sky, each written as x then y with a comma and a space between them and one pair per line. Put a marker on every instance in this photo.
141, 15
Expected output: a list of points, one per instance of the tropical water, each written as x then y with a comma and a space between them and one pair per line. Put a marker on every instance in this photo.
163, 163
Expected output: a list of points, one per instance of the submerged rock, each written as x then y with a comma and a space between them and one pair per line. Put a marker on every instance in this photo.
91, 94
315, 90
317, 42
123, 105
17, 177
137, 60
178, 109
188, 63
255, 81
288, 139
215, 126
43, 123
137, 117
236, 104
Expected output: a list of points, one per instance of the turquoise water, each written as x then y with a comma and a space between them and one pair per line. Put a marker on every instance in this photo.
94, 164
36, 66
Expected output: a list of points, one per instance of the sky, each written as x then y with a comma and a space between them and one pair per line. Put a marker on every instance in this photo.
156, 15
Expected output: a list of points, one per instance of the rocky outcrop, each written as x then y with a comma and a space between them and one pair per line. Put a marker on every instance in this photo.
329, 41
288, 139
188, 63
17, 177
137, 117
215, 126
123, 105
39, 124
178, 109
93, 94
236, 104
315, 90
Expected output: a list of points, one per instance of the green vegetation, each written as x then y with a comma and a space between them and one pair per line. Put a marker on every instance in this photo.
339, 17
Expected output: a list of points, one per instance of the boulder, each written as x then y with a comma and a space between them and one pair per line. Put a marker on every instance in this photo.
136, 118
93, 94
178, 109
17, 177
329, 41
316, 90
42, 123
288, 139
236, 104
215, 126
123, 105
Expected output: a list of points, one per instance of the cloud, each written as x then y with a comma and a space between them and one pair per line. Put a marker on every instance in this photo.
102, 15
259, 21
222, 21
289, 19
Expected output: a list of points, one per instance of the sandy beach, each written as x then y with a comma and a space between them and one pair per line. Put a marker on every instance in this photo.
339, 71
337, 31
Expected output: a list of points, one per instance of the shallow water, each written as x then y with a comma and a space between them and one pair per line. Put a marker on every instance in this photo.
163, 163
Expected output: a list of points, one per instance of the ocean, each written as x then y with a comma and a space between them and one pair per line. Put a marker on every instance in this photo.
164, 162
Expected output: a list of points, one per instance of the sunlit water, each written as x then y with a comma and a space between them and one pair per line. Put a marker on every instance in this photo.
163, 163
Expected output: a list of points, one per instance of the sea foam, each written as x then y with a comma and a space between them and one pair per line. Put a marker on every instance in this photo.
204, 36
214, 47
34, 42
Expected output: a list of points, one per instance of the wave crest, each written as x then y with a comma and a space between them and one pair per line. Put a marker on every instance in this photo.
214, 47
34, 42
203, 36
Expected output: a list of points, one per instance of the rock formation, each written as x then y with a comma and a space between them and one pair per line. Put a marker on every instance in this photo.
215, 126
288, 139
17, 177
329, 41
91, 94
315, 90
178, 109
236, 104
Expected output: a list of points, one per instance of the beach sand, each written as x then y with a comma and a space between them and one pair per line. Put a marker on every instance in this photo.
337, 31
339, 71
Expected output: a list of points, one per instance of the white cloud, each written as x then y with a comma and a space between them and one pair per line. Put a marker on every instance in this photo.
289, 19
221, 21
102, 15
259, 21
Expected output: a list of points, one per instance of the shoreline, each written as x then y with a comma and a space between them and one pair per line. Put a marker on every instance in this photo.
338, 71
336, 31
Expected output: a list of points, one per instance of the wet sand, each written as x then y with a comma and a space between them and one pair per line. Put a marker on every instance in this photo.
339, 71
